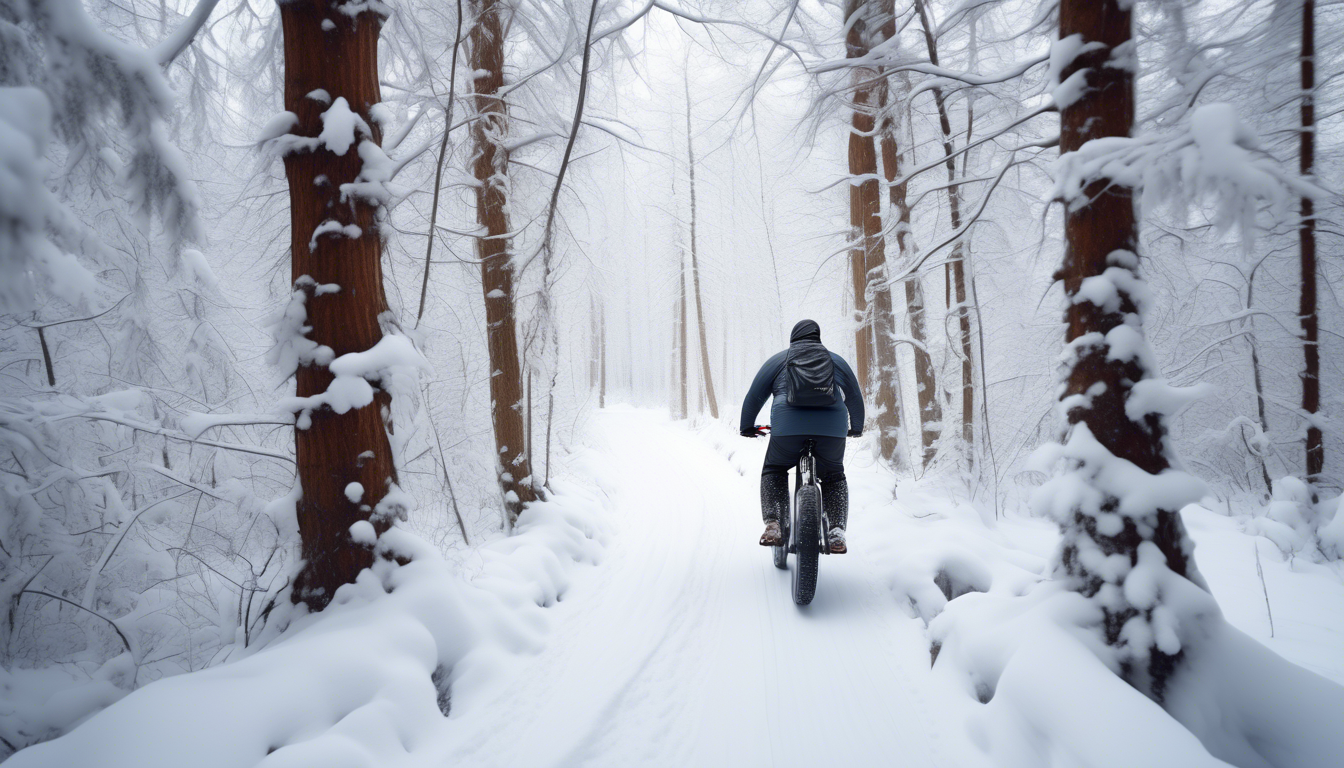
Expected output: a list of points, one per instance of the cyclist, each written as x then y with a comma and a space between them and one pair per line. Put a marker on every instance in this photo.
816, 398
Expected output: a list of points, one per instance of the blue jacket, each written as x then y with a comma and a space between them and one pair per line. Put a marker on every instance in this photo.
785, 419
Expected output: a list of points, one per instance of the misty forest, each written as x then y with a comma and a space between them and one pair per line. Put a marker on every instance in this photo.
378, 379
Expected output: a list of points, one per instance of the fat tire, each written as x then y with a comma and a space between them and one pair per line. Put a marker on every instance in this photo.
807, 543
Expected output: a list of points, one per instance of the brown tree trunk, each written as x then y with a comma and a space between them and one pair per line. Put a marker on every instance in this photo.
695, 265
490, 166
1101, 233
863, 200
957, 261
866, 210
336, 449
926, 380
1306, 233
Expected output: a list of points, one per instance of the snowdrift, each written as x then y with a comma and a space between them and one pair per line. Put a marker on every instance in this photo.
1023, 660
1004, 665
369, 678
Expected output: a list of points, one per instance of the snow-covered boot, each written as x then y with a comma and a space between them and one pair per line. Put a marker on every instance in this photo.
835, 501
836, 538
773, 536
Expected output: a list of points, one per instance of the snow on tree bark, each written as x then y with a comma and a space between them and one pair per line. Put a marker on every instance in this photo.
1118, 498
335, 449
879, 330
956, 266
1306, 231
864, 208
926, 380
490, 162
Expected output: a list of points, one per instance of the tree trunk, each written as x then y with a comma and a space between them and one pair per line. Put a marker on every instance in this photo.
1101, 235
864, 208
1306, 233
594, 342
1257, 381
336, 449
602, 356
438, 164
957, 261
725, 380
695, 265
881, 329
926, 380
683, 358
531, 462
765, 216
490, 166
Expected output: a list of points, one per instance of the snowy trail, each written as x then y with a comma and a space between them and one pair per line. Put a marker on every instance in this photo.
684, 647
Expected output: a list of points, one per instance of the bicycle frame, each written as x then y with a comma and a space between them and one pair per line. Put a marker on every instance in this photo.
807, 475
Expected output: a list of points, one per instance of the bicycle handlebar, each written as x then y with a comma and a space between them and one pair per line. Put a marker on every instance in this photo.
764, 429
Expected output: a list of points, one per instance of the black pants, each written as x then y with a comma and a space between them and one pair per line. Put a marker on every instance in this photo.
782, 455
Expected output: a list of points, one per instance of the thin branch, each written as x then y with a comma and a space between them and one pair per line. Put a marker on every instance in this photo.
174, 44
438, 169
152, 430
110, 622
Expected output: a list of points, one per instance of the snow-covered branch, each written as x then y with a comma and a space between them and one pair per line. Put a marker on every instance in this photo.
1211, 155
175, 43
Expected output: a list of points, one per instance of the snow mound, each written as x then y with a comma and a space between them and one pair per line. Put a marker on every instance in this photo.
368, 681
1052, 694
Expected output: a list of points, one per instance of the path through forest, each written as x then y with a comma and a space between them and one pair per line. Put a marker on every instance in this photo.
683, 648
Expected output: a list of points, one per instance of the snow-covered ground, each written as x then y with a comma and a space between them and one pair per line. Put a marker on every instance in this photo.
678, 645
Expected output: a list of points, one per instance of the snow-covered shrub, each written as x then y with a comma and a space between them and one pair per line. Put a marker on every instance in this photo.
376, 670
129, 549
1296, 520
127, 555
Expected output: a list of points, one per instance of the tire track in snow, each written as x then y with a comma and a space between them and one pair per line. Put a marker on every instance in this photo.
684, 648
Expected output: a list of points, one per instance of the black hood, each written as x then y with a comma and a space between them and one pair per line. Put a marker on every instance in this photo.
805, 330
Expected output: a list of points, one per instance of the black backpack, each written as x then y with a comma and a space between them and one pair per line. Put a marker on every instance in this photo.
809, 375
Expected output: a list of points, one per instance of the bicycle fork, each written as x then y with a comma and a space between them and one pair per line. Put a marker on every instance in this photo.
807, 475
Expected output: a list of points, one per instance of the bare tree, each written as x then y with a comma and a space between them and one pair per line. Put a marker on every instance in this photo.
601, 356
594, 342
695, 261
334, 450
1306, 233
490, 163
682, 357
956, 266
926, 380
875, 335
438, 163
864, 205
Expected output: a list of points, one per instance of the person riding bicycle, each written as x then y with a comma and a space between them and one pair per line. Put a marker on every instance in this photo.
816, 398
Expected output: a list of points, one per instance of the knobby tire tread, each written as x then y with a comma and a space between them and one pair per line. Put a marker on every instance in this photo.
808, 504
